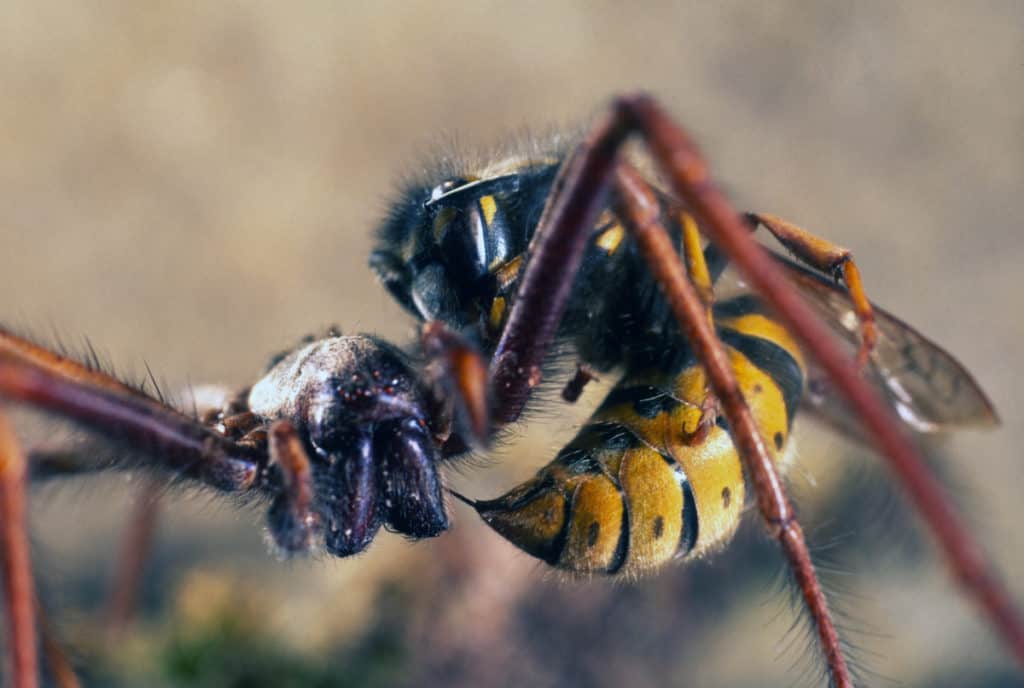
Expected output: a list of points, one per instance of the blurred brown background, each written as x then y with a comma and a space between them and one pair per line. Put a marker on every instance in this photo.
195, 187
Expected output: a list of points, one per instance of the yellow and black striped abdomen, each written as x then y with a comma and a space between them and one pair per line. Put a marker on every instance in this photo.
651, 476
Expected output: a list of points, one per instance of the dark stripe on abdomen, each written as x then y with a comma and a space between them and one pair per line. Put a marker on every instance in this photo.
691, 525
774, 361
746, 304
622, 549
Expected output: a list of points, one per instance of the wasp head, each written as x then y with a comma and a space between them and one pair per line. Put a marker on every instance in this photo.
441, 249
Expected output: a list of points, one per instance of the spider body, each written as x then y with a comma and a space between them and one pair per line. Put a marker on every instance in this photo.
363, 418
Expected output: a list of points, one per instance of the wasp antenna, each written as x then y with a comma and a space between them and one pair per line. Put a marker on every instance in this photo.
752, 219
462, 498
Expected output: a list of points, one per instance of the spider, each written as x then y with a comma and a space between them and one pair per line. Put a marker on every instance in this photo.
345, 434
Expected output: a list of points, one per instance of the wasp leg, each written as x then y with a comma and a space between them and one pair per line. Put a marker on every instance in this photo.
696, 263
700, 275
291, 519
45, 464
136, 545
574, 387
832, 260
19, 591
641, 211
687, 173
170, 438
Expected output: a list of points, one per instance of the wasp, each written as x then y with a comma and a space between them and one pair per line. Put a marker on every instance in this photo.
654, 474
509, 265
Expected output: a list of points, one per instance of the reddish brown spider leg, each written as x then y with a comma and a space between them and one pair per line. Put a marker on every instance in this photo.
131, 561
830, 259
641, 212
19, 593
58, 666
17, 347
171, 439
687, 172
293, 522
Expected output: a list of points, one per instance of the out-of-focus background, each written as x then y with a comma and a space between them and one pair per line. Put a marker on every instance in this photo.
195, 187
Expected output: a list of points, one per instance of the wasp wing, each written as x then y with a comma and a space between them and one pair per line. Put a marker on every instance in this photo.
927, 387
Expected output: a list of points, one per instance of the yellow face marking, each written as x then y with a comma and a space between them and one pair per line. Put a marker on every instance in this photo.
490, 207
497, 313
655, 499
610, 238
595, 526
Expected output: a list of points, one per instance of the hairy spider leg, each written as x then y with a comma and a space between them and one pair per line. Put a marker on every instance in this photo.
136, 545
19, 591
172, 439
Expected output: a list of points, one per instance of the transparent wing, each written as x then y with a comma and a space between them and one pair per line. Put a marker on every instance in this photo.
928, 388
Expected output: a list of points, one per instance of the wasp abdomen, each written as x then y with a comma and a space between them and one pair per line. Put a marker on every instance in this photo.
607, 504
654, 474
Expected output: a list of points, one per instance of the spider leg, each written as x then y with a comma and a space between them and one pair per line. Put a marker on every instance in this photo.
291, 519
169, 438
19, 591
640, 212
687, 172
59, 669
577, 198
136, 545
13, 346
